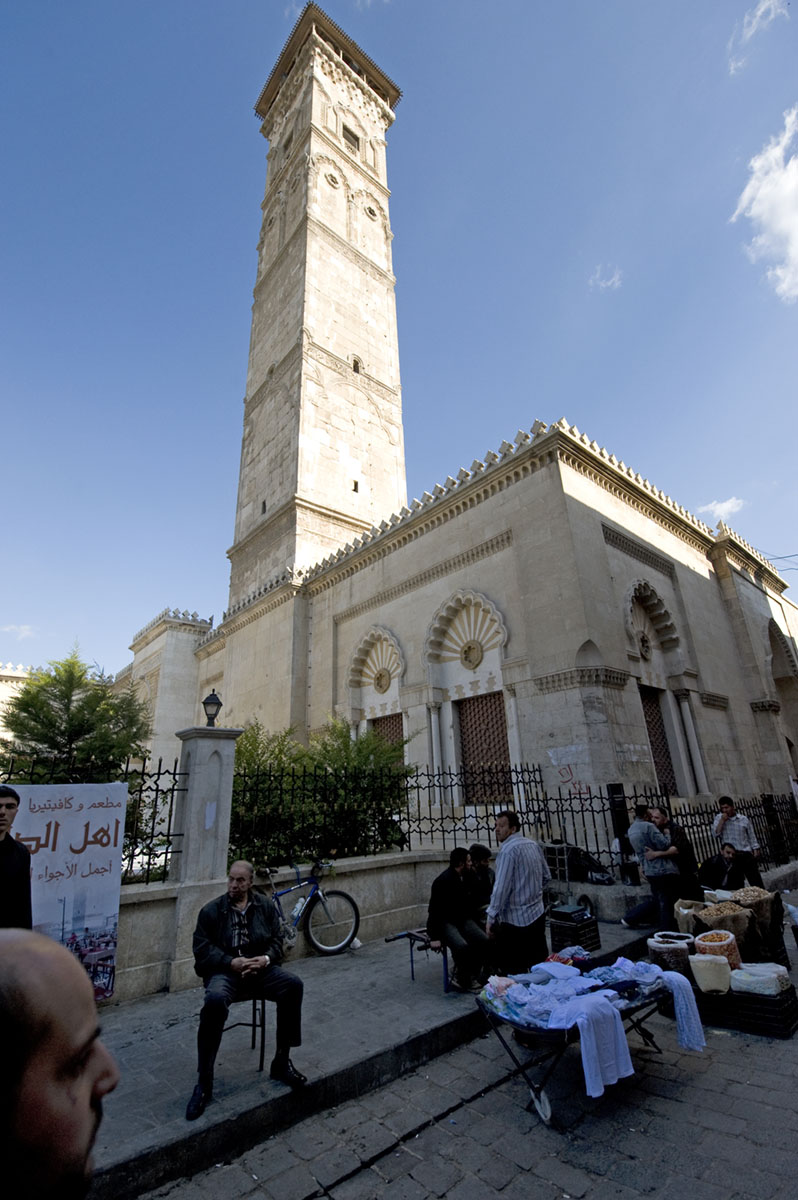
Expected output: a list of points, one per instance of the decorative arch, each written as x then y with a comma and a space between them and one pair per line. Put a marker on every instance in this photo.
589, 655
378, 661
347, 116
465, 628
643, 594
784, 664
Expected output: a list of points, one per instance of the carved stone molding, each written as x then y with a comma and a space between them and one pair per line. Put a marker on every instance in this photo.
579, 677
765, 705
635, 550
493, 546
642, 593
713, 700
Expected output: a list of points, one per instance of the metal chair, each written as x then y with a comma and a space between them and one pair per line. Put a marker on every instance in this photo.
257, 1021
420, 939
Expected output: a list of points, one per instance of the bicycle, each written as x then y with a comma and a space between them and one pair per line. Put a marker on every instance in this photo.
331, 918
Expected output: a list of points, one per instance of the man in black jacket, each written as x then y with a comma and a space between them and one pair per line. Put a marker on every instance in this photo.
452, 920
722, 870
237, 949
15, 909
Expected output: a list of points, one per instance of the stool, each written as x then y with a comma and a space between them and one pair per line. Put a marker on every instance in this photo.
257, 1021
421, 939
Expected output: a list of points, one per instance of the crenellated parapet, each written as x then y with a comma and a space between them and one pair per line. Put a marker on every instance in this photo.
497, 470
171, 618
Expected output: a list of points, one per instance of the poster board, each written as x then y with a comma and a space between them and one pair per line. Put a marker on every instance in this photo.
75, 834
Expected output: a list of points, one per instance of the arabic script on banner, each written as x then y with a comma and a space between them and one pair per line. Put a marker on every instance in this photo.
75, 833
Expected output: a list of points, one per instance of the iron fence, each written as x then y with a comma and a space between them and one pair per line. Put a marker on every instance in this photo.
774, 819
150, 837
289, 814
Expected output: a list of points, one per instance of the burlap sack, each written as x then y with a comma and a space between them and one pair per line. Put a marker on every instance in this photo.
684, 911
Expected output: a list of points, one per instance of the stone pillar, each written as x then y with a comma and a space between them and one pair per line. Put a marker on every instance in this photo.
435, 729
203, 820
683, 696
203, 816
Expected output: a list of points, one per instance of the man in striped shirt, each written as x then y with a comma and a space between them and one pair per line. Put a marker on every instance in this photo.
516, 917
732, 827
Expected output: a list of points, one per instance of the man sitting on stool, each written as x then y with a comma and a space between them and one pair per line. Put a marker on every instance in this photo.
237, 947
452, 920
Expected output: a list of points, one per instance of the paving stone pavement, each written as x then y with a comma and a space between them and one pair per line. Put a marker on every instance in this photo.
365, 1022
720, 1125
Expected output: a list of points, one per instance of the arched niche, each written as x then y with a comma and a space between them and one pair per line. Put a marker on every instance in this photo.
376, 669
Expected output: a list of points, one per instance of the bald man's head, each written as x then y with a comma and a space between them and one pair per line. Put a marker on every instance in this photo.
54, 1070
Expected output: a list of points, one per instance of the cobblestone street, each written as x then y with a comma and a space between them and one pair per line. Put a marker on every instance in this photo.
710, 1126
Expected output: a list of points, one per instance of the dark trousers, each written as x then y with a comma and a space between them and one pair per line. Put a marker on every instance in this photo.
749, 865
470, 947
656, 909
224, 988
518, 947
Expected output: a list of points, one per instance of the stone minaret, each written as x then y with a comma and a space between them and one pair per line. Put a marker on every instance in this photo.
322, 456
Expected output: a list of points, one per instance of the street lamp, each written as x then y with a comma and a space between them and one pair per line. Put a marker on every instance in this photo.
212, 704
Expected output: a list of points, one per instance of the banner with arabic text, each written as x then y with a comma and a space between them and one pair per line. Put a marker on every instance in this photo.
74, 833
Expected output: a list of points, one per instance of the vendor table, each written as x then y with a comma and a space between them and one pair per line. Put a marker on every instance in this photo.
549, 1045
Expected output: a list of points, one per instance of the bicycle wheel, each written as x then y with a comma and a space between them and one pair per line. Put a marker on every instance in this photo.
332, 922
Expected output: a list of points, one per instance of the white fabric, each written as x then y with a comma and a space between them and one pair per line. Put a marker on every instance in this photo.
605, 1051
689, 1030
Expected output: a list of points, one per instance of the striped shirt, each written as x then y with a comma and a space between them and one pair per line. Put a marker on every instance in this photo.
521, 875
737, 832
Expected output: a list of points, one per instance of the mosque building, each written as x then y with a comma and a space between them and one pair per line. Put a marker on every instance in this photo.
544, 605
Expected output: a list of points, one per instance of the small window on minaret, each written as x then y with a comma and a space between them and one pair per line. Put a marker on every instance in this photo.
355, 485
262, 507
356, 365
351, 138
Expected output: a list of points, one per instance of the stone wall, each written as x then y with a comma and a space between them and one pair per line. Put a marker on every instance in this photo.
156, 921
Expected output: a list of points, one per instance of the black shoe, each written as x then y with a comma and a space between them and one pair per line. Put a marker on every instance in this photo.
200, 1098
286, 1072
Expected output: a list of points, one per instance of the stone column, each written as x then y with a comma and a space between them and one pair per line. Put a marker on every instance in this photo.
683, 696
203, 820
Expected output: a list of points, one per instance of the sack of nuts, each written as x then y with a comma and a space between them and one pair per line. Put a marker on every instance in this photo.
721, 943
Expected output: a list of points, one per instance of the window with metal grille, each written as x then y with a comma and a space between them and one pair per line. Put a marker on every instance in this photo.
484, 749
391, 728
650, 698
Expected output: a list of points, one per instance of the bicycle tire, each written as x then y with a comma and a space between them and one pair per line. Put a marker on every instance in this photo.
332, 922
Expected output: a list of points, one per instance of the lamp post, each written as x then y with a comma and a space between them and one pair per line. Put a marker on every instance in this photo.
212, 705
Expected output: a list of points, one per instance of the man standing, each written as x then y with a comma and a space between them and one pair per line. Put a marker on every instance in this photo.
659, 869
732, 827
15, 908
54, 1070
452, 920
687, 886
237, 949
516, 917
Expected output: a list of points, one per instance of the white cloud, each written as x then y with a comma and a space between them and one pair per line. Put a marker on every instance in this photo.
770, 201
602, 281
755, 21
721, 510
21, 632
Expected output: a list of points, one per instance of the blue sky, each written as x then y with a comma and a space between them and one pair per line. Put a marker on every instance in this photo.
595, 210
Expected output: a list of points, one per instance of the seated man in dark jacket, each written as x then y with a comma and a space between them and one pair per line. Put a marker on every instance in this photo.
452, 920
237, 949
722, 871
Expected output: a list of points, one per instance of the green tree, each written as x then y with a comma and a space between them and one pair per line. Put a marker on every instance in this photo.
69, 713
335, 797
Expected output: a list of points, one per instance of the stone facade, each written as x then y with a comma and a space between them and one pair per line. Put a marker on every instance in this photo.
12, 680
546, 605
